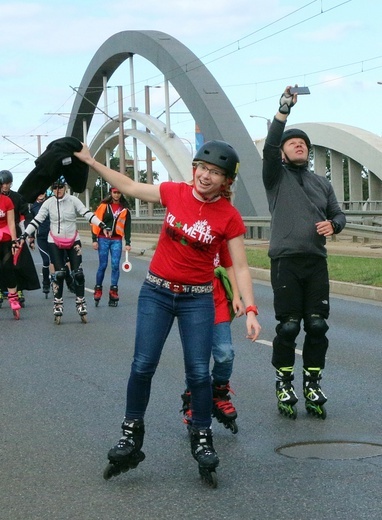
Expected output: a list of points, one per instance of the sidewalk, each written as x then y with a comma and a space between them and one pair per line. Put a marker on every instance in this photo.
144, 244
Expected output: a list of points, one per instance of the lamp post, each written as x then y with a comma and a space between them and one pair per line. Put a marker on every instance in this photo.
149, 157
266, 119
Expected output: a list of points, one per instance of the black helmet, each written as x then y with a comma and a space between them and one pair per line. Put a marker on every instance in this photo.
220, 154
5, 177
295, 132
59, 183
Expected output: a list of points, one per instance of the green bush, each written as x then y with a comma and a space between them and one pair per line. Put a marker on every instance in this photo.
360, 270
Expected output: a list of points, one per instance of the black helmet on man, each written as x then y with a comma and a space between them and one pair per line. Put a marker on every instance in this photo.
295, 132
6, 177
59, 183
220, 154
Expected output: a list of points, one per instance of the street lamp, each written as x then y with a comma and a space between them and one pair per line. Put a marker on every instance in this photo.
266, 119
149, 164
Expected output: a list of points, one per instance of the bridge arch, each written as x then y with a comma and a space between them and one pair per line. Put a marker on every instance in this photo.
201, 93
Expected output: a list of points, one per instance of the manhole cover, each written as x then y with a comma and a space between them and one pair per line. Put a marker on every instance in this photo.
330, 450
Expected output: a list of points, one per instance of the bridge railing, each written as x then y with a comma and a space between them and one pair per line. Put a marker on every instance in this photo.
361, 225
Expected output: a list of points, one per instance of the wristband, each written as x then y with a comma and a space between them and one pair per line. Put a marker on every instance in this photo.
252, 308
102, 225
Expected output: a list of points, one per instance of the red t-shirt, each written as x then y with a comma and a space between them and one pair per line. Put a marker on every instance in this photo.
191, 234
222, 309
6, 205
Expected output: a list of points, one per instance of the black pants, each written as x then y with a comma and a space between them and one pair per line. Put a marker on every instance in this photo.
59, 258
300, 289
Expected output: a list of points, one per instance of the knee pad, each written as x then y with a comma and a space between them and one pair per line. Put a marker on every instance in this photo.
60, 276
315, 325
289, 328
78, 277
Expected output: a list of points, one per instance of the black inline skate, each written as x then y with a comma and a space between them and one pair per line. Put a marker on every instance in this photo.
314, 396
45, 281
203, 451
186, 407
58, 309
113, 296
97, 294
21, 298
81, 308
127, 453
222, 407
286, 396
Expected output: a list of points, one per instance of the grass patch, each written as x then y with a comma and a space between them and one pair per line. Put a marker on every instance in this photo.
360, 270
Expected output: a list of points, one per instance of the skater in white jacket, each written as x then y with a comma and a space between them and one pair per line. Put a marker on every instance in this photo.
64, 242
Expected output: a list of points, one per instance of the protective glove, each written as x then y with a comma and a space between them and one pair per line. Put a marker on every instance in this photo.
286, 103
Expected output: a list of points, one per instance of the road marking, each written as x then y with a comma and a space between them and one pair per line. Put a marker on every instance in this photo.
269, 344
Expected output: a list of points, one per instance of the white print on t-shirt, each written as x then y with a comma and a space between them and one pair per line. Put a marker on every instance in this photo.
200, 230
2, 214
217, 260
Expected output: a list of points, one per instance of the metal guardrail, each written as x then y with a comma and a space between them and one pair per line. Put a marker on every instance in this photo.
258, 227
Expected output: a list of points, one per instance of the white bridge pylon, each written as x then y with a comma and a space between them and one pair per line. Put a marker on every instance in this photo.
170, 149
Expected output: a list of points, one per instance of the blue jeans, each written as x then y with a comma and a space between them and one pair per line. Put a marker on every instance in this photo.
222, 352
157, 309
106, 245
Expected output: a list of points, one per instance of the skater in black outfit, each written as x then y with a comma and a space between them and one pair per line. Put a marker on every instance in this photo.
304, 212
25, 270
42, 242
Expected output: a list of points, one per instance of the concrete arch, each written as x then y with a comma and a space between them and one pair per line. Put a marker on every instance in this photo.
170, 150
355, 143
362, 148
201, 93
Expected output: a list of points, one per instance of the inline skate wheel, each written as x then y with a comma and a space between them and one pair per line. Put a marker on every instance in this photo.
316, 410
288, 410
57, 320
110, 471
16, 314
84, 318
209, 476
96, 303
233, 427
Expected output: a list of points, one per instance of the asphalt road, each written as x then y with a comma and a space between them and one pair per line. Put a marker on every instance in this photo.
62, 395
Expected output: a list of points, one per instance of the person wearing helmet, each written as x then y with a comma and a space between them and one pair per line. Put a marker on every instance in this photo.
179, 284
304, 212
8, 248
42, 242
64, 242
114, 211
25, 269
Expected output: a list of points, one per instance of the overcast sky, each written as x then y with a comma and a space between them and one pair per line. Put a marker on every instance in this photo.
254, 48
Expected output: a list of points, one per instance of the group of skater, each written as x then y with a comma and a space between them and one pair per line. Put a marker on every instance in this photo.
51, 222
199, 275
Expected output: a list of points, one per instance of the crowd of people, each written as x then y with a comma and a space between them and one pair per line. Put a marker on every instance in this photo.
198, 275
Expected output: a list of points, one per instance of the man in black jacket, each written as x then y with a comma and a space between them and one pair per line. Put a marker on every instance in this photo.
304, 212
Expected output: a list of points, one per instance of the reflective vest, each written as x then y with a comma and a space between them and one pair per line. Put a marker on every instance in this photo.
119, 222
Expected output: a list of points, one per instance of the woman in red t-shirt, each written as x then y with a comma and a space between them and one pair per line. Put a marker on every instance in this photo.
179, 284
8, 247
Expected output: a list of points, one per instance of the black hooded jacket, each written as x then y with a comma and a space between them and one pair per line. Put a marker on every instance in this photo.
57, 160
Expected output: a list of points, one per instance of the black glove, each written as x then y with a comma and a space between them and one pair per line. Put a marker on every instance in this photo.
286, 103
24, 236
